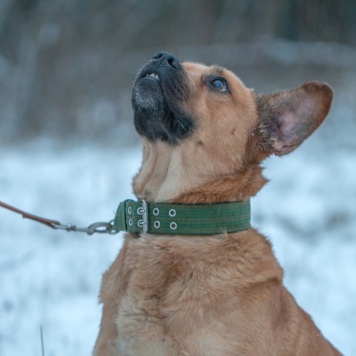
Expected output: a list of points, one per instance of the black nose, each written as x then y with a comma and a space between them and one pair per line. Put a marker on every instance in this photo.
167, 59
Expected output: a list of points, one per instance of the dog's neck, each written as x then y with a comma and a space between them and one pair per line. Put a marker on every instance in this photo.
238, 187
163, 177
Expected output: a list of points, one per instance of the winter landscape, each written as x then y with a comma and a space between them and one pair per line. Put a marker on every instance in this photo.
68, 150
50, 279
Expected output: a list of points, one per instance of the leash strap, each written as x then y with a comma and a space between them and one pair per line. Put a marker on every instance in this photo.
98, 227
48, 222
182, 219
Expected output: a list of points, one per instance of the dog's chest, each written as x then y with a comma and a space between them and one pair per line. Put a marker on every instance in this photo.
181, 293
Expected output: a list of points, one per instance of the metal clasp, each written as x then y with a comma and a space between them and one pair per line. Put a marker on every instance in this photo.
143, 211
98, 227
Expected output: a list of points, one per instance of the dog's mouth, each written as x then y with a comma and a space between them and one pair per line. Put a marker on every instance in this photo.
153, 76
158, 98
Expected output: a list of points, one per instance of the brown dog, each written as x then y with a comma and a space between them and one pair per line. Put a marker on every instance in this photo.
204, 136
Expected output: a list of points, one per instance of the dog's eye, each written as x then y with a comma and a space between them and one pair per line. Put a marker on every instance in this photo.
220, 84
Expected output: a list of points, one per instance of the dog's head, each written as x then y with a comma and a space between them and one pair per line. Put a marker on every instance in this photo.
205, 134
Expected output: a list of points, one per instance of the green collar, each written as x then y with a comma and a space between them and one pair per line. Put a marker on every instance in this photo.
182, 219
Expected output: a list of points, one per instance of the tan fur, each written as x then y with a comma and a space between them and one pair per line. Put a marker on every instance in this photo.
208, 295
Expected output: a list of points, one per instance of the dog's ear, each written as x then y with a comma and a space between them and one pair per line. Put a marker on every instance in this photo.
289, 117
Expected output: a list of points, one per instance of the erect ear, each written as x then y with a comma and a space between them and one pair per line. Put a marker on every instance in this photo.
289, 117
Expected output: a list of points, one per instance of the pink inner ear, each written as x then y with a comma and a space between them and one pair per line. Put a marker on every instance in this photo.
294, 127
289, 117
278, 146
287, 123
298, 119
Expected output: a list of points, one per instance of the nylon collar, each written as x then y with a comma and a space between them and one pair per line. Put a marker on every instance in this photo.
182, 219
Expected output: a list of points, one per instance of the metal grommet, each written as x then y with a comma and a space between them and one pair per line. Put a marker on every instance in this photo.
130, 222
155, 211
173, 225
157, 224
172, 213
129, 210
140, 223
140, 211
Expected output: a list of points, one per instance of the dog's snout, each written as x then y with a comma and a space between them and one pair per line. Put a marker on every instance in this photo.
166, 58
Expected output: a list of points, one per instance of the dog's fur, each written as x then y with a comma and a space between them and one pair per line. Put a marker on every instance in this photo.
204, 136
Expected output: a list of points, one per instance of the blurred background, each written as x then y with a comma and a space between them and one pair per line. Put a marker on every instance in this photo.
66, 67
68, 149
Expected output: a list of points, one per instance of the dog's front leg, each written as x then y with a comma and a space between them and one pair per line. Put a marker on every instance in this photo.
112, 288
106, 343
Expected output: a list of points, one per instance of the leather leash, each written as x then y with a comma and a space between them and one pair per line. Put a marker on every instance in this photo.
48, 222
98, 227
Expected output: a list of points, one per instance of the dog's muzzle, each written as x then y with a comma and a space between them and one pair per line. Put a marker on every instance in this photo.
158, 99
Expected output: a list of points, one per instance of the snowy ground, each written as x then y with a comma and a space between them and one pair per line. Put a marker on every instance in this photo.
50, 279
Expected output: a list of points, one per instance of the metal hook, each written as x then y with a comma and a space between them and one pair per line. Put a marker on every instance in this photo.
98, 227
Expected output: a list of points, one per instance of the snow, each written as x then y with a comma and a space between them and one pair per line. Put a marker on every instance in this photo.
51, 279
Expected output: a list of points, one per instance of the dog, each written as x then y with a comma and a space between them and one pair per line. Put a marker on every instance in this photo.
204, 137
